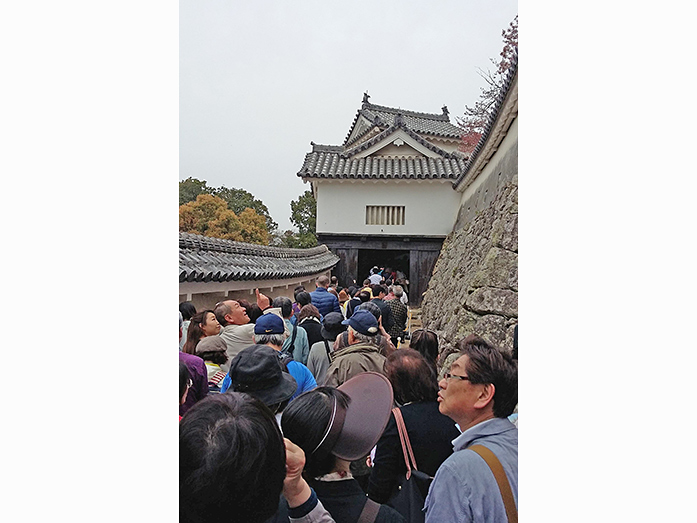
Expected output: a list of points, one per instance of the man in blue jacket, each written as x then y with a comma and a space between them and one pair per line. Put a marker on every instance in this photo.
324, 300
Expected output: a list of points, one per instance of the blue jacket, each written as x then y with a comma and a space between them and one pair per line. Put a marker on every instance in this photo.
464, 488
300, 372
325, 301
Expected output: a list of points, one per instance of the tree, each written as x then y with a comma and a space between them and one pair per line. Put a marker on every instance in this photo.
238, 200
475, 118
210, 216
303, 214
190, 188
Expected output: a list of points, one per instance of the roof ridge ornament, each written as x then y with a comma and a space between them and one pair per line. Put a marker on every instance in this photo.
366, 96
445, 112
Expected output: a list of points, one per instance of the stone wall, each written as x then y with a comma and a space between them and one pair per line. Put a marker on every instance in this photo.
474, 286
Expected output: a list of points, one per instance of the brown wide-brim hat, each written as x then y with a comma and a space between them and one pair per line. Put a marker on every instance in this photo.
366, 416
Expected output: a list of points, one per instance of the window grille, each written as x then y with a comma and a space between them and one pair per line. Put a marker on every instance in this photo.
384, 215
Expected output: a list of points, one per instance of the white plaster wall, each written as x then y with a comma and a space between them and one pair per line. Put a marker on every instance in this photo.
510, 139
431, 206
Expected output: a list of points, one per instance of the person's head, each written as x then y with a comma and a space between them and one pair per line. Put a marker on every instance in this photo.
412, 378
372, 308
351, 291
333, 291
398, 291
303, 298
426, 342
308, 311
299, 288
213, 349
362, 327
257, 370
379, 291
343, 423
334, 281
366, 282
187, 309
184, 382
252, 309
364, 296
332, 326
284, 304
202, 324
269, 330
388, 283
230, 312
231, 461
323, 281
482, 383
343, 296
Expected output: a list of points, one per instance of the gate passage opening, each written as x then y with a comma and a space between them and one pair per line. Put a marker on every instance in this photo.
368, 258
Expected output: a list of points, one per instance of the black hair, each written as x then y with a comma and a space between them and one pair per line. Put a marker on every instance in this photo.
187, 309
364, 296
284, 304
231, 461
303, 298
426, 342
489, 364
377, 289
194, 333
214, 356
184, 378
412, 377
305, 422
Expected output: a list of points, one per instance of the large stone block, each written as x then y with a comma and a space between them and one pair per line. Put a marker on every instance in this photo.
492, 328
487, 300
499, 269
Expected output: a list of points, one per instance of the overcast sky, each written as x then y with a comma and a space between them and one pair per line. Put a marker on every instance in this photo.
260, 80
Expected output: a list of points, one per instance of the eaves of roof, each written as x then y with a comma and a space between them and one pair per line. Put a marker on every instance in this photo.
204, 259
505, 108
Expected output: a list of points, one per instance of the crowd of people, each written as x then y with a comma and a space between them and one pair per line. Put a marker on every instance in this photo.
315, 410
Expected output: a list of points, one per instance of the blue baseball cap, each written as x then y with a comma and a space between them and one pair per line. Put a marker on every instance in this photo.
269, 324
362, 321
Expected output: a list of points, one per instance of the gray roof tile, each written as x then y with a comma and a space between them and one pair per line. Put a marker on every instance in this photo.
204, 259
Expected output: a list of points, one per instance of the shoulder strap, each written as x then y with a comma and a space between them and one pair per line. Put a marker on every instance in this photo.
326, 346
409, 459
369, 512
291, 347
501, 480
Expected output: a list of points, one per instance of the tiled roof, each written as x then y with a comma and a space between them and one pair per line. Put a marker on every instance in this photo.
334, 165
427, 123
491, 121
204, 259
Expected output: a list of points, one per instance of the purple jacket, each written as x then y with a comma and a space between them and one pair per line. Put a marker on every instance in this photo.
199, 377
325, 301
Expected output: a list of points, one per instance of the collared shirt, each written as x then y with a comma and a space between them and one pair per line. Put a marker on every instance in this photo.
464, 488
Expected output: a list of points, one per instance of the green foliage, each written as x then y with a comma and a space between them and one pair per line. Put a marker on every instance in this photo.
190, 188
303, 213
238, 200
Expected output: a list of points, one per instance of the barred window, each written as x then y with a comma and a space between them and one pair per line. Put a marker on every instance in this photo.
384, 215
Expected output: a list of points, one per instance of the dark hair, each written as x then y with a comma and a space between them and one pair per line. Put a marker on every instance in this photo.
284, 304
377, 289
305, 421
298, 289
194, 333
388, 282
426, 342
214, 356
308, 311
489, 364
184, 378
351, 291
303, 298
412, 377
364, 296
187, 309
231, 461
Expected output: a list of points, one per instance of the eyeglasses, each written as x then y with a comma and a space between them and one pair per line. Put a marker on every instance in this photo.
190, 383
449, 376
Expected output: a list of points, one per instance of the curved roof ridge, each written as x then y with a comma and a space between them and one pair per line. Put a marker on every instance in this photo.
390, 130
395, 110
208, 243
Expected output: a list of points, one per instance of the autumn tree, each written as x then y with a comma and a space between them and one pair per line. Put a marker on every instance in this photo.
210, 216
190, 188
238, 200
475, 117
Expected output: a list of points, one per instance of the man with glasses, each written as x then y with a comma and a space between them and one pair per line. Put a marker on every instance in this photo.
479, 392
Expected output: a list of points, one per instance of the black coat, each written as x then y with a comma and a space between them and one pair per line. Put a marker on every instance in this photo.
313, 329
430, 433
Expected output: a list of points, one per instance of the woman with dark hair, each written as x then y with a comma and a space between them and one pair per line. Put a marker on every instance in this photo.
334, 427
188, 310
309, 319
355, 301
202, 324
301, 299
431, 433
426, 343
